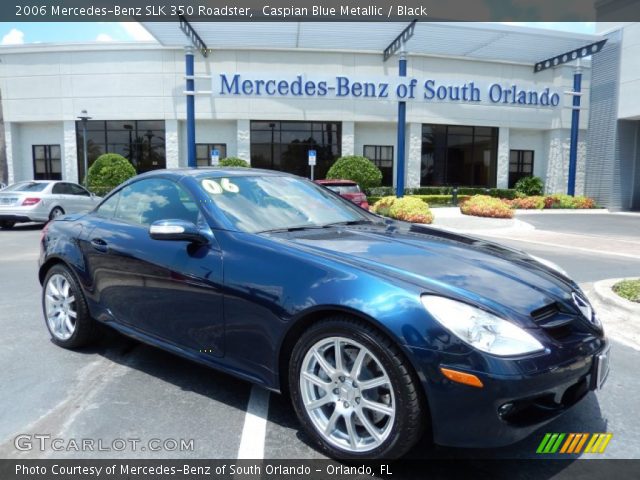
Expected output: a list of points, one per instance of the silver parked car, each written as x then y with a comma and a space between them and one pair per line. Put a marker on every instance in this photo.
42, 200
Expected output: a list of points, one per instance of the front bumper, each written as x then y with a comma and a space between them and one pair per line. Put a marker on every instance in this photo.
465, 416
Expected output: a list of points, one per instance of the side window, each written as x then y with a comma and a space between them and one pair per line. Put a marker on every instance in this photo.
153, 199
108, 208
59, 189
78, 190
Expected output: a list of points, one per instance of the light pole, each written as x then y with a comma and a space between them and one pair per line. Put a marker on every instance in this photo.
84, 118
149, 134
272, 126
129, 128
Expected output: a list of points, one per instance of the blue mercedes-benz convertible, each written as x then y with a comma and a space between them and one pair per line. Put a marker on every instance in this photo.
378, 330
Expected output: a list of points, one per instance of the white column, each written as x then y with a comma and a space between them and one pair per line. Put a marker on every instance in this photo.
414, 155
244, 140
9, 140
582, 163
348, 138
70, 152
502, 174
172, 147
557, 161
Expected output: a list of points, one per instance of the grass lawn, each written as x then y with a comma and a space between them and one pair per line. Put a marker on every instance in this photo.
629, 289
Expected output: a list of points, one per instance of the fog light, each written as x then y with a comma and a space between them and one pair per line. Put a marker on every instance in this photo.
505, 409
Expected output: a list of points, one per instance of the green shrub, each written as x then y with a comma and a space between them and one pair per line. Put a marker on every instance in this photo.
233, 162
359, 169
408, 209
560, 200
527, 203
107, 172
530, 186
629, 289
486, 206
372, 199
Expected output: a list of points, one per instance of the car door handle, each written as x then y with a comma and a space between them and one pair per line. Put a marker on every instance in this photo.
99, 244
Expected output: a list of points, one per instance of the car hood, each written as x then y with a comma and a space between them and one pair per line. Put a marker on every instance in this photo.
504, 280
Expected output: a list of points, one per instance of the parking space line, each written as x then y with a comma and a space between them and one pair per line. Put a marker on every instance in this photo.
570, 247
255, 425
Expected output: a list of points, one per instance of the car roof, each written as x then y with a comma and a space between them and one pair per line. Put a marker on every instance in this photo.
215, 172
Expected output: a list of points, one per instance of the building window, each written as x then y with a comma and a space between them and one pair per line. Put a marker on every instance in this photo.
203, 152
47, 164
285, 146
382, 157
459, 155
520, 165
140, 141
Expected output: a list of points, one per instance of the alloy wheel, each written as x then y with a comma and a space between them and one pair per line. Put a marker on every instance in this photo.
347, 394
60, 308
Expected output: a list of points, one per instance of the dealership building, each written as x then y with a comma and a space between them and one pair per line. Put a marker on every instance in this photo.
477, 113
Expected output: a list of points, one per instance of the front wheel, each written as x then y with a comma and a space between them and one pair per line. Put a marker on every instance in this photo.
354, 392
7, 224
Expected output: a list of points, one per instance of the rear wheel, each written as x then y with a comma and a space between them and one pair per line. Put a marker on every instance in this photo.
56, 212
354, 392
65, 309
7, 224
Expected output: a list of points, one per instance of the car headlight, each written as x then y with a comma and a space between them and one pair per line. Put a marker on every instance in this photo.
551, 265
480, 329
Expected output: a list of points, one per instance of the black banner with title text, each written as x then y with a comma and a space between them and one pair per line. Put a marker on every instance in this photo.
319, 10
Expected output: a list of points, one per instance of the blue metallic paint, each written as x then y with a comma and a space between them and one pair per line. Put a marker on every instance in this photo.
231, 304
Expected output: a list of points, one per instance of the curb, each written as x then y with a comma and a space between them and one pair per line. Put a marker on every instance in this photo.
604, 292
555, 211
620, 317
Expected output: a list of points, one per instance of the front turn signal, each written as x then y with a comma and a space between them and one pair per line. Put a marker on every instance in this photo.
461, 377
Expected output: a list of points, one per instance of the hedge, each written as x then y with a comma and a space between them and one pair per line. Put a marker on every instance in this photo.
233, 162
508, 193
408, 209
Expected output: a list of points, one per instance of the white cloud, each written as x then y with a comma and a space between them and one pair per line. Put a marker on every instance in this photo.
103, 37
14, 37
136, 31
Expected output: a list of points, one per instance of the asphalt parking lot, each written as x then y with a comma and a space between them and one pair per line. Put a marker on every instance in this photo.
123, 389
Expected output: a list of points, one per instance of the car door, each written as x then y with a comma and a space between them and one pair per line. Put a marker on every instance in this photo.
170, 290
81, 198
60, 193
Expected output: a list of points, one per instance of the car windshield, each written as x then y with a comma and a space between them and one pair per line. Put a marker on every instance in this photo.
342, 189
26, 187
266, 203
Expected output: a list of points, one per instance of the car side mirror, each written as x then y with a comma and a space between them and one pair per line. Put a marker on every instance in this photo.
177, 230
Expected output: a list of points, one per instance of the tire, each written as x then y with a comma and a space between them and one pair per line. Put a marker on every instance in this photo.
55, 213
7, 224
58, 308
396, 421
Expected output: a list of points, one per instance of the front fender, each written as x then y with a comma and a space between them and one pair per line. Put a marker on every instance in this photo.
270, 288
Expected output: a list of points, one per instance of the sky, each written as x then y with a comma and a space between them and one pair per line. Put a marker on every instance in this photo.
20, 33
